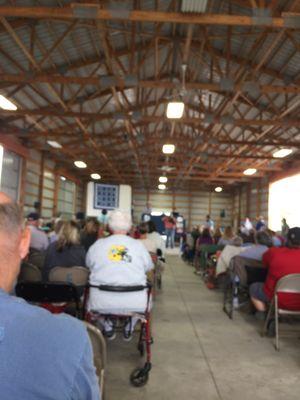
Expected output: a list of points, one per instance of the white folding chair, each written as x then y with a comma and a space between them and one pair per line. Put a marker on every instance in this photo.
288, 284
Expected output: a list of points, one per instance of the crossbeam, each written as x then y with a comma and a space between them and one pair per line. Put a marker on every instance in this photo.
69, 13
152, 84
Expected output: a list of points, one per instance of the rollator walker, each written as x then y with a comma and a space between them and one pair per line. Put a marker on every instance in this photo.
140, 375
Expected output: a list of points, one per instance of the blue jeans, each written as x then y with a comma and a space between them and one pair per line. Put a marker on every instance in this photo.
170, 237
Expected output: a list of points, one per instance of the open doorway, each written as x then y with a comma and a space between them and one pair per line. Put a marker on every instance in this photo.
284, 202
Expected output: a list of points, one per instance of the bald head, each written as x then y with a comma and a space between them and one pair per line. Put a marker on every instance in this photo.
14, 241
11, 219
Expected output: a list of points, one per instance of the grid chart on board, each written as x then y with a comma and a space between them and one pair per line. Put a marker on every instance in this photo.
106, 196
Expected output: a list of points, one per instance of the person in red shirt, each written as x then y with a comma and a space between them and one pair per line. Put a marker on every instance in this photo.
280, 261
170, 225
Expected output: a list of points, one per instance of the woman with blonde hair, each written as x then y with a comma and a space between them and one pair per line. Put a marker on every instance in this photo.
227, 237
66, 251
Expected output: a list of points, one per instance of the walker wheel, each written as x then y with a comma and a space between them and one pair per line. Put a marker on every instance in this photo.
139, 377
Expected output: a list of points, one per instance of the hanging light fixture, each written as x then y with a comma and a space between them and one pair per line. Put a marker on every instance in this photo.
218, 189
6, 104
175, 109
282, 153
250, 171
163, 179
168, 148
54, 144
80, 164
162, 187
96, 176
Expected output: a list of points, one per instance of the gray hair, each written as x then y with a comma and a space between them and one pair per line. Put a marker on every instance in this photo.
11, 219
119, 221
262, 237
237, 241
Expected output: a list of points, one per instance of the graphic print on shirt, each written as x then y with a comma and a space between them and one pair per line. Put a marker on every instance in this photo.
119, 253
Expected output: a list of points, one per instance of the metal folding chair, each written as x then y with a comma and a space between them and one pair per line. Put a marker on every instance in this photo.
77, 276
45, 294
242, 272
99, 352
29, 273
37, 258
288, 284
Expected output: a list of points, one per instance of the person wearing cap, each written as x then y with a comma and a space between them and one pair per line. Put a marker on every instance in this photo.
39, 240
280, 261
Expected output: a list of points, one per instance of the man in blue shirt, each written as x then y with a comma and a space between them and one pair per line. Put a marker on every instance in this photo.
42, 356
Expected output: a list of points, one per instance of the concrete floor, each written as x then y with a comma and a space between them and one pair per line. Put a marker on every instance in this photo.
200, 354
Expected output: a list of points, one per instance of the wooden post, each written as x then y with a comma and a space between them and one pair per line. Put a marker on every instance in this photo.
240, 206
209, 202
258, 199
190, 197
173, 201
41, 182
84, 197
22, 182
55, 198
249, 188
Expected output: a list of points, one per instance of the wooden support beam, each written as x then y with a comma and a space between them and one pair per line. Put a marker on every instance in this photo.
150, 83
41, 182
96, 13
287, 122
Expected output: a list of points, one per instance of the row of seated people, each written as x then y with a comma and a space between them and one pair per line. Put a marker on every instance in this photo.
50, 356
277, 256
69, 247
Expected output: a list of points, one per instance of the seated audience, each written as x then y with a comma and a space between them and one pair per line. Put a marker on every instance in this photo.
147, 242
204, 238
227, 237
54, 234
262, 242
118, 260
217, 235
66, 251
276, 239
90, 233
38, 240
42, 356
280, 261
155, 237
195, 233
229, 251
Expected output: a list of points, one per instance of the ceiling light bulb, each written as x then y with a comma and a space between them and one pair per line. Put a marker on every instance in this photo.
175, 109
96, 176
6, 104
162, 187
163, 179
218, 189
54, 144
282, 153
250, 171
168, 148
62, 178
80, 164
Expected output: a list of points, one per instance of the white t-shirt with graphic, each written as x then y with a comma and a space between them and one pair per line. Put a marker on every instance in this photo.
118, 260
